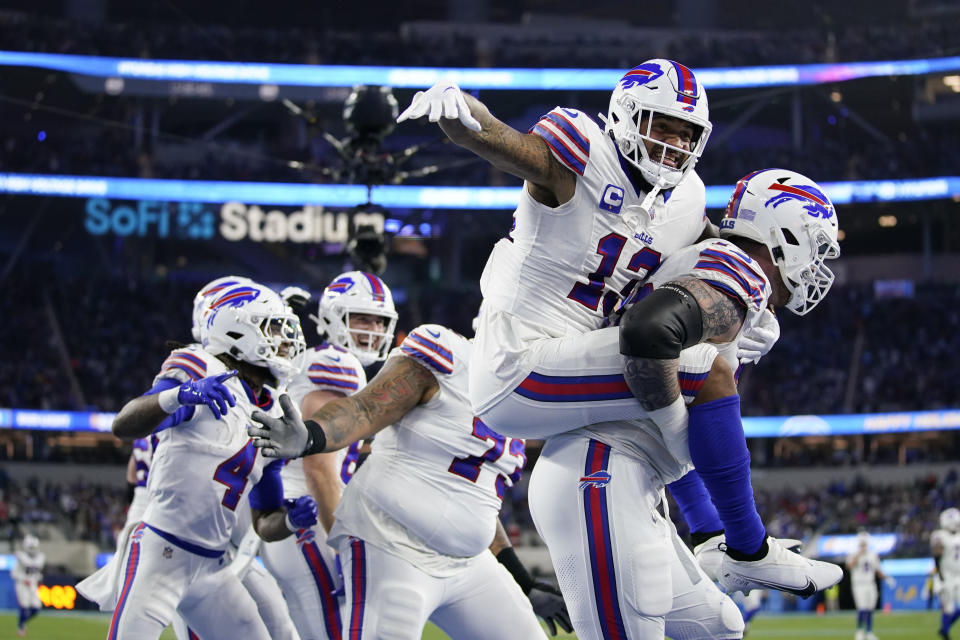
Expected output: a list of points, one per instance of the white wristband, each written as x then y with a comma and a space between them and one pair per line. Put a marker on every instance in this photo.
672, 420
168, 400
289, 524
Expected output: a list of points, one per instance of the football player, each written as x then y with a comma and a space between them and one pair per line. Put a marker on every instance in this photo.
203, 467
945, 545
602, 205
356, 320
103, 587
642, 582
601, 208
415, 523
864, 567
27, 574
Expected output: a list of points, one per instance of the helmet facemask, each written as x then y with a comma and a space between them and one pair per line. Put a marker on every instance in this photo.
251, 323
634, 127
803, 268
646, 94
354, 294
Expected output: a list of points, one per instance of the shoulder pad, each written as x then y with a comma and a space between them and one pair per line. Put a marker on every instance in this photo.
567, 133
430, 344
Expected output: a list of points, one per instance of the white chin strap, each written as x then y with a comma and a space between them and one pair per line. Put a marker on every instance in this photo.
647, 203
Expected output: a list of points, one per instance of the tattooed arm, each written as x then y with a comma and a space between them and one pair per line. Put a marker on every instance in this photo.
400, 386
522, 154
654, 380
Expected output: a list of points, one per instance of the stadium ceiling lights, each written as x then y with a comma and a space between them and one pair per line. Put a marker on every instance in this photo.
403, 196
419, 77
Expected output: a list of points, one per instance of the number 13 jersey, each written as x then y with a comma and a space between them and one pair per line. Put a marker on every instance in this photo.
563, 270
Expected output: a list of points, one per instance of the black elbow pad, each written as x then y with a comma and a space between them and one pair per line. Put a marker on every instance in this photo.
661, 325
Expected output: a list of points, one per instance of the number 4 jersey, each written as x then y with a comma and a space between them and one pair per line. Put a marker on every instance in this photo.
203, 467
434, 480
562, 270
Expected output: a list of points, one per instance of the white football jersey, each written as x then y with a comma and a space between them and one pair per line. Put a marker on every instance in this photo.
143, 457
563, 270
725, 267
864, 572
950, 556
327, 367
204, 467
29, 568
439, 472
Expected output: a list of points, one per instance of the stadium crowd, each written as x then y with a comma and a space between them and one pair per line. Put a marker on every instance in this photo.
79, 341
555, 44
81, 510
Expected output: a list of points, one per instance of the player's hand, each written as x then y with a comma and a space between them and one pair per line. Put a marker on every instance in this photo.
890, 581
758, 338
284, 437
209, 391
548, 604
295, 297
301, 512
442, 100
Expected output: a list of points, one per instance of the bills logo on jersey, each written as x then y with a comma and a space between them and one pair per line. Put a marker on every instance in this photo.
612, 199
597, 480
305, 536
815, 202
641, 75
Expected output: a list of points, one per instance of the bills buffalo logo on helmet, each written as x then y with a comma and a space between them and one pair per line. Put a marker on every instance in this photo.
815, 202
641, 75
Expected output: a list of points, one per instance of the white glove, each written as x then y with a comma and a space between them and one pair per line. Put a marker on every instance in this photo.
293, 295
758, 338
442, 100
890, 582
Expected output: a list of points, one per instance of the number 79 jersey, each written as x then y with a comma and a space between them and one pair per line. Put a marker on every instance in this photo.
566, 268
203, 467
439, 472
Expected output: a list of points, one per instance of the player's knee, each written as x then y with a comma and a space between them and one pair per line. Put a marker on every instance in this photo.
720, 383
400, 613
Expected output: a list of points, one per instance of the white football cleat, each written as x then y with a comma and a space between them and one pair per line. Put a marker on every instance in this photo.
709, 555
780, 569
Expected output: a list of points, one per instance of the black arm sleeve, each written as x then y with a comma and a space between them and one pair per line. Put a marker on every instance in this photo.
317, 440
661, 325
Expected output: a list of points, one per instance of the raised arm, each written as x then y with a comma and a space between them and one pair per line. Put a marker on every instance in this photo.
469, 123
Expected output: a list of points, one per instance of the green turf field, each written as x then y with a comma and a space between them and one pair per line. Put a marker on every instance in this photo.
55, 625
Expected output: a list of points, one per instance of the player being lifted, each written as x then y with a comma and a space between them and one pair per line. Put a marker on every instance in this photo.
415, 522
594, 491
945, 545
204, 465
356, 318
599, 211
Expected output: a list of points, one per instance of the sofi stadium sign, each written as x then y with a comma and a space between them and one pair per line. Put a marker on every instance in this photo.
233, 221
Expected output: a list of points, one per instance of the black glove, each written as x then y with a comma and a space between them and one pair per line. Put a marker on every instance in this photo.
548, 604
546, 599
